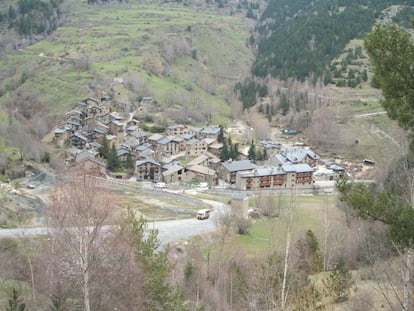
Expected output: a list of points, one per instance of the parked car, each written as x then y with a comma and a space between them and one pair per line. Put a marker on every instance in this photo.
203, 214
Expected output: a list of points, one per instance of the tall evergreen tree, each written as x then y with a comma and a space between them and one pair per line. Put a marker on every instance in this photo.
220, 137
104, 148
391, 52
160, 296
234, 152
224, 152
252, 151
112, 163
129, 164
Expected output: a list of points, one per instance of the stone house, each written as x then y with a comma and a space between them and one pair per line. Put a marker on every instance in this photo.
148, 169
177, 130
229, 169
195, 147
201, 173
174, 174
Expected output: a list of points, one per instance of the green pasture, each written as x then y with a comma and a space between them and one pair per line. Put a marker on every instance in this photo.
302, 212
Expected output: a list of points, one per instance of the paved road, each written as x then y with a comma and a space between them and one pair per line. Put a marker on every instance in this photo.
169, 231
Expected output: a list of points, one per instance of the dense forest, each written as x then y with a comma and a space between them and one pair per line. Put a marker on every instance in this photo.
299, 38
35, 17
302, 40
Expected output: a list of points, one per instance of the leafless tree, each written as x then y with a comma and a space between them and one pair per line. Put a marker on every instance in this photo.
76, 216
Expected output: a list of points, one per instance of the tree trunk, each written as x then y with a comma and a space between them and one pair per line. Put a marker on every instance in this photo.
406, 280
85, 272
284, 289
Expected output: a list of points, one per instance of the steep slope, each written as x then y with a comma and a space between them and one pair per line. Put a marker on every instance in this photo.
299, 38
181, 55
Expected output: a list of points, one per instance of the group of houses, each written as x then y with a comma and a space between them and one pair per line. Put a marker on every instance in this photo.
181, 154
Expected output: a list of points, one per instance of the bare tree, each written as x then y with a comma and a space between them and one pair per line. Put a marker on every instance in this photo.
76, 214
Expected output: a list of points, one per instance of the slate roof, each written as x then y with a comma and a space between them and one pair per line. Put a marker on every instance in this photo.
211, 130
163, 141
297, 168
192, 142
173, 169
141, 162
202, 170
263, 171
143, 147
201, 158
155, 137
235, 166
186, 136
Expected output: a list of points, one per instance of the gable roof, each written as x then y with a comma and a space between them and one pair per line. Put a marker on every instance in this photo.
147, 160
173, 169
201, 158
202, 170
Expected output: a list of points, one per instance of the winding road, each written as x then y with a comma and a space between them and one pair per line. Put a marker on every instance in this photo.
168, 231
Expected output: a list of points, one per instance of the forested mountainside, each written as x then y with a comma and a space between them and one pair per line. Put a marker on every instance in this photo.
298, 38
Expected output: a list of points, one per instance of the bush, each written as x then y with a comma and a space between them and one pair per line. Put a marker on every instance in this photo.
243, 226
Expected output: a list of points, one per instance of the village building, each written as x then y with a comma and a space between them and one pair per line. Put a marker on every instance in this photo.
261, 178
196, 147
294, 176
215, 148
298, 176
89, 162
115, 127
174, 174
229, 169
154, 138
200, 173
210, 132
77, 140
200, 160
148, 169
177, 130
144, 151
182, 141
295, 155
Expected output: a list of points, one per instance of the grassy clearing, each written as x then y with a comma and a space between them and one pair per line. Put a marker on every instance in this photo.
307, 213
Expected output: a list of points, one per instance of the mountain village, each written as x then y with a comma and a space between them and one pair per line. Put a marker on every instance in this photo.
184, 154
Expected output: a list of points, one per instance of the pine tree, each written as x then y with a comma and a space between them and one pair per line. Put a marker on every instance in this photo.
104, 148
339, 282
252, 152
129, 164
220, 137
224, 152
159, 295
234, 154
16, 302
112, 163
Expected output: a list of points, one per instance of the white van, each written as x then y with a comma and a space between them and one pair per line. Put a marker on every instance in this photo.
203, 214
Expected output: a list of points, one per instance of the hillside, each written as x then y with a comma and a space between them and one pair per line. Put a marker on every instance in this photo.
300, 38
181, 55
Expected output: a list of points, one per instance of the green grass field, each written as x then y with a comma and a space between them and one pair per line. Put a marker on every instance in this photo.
306, 213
